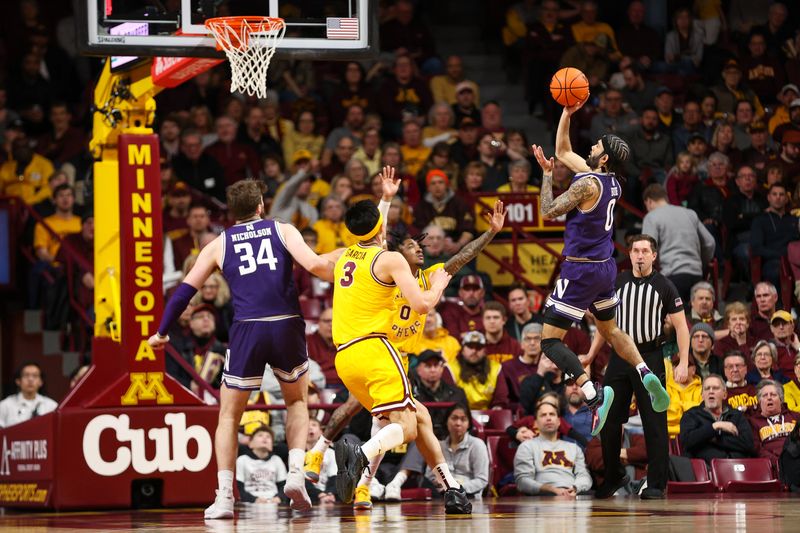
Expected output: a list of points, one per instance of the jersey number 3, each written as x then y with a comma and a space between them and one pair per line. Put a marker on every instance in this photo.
249, 263
347, 276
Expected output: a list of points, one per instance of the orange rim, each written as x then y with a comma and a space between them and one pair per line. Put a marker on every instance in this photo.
238, 22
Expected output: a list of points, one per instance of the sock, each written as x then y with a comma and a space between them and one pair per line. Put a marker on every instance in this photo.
643, 369
225, 480
387, 438
322, 445
296, 459
399, 479
369, 473
588, 390
444, 477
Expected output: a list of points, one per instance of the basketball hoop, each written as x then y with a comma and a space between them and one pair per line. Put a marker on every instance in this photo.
249, 43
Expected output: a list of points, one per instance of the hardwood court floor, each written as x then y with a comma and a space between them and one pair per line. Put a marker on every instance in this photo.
726, 514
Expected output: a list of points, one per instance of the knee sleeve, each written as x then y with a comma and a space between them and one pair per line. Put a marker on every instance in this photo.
563, 357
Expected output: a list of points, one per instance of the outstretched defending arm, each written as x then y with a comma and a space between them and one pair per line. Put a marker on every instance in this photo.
578, 192
320, 266
473, 248
206, 263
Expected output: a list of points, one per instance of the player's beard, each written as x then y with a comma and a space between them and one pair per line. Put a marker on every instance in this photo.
593, 161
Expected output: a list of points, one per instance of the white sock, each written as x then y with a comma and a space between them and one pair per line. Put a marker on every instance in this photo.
225, 480
387, 438
296, 459
369, 473
399, 479
642, 369
588, 390
322, 445
444, 477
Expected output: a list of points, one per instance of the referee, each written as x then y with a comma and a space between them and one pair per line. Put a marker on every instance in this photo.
646, 298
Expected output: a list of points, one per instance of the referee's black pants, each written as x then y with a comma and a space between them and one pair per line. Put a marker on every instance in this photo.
625, 381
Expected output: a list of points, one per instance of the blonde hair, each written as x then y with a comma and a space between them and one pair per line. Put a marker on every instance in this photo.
223, 292
736, 308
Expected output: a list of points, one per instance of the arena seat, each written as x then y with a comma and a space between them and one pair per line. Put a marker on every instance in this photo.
674, 446
497, 422
501, 463
702, 483
744, 475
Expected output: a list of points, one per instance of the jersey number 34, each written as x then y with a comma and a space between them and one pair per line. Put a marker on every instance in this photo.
250, 262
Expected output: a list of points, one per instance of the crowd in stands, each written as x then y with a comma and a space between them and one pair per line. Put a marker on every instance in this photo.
709, 103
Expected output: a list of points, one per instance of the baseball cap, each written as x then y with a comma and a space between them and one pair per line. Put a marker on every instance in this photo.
705, 328
473, 337
466, 85
467, 122
757, 125
795, 103
781, 315
791, 137
663, 90
300, 155
732, 64
790, 87
179, 188
427, 355
204, 307
697, 137
471, 281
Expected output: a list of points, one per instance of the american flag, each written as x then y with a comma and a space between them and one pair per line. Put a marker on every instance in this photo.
342, 28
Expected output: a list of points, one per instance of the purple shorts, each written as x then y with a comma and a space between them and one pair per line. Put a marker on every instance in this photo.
255, 344
582, 286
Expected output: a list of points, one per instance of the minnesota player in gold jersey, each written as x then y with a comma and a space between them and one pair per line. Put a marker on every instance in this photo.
406, 329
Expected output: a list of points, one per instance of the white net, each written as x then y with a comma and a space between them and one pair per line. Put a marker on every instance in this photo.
249, 43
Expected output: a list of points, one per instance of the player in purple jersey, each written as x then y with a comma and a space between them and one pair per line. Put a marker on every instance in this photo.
256, 257
588, 274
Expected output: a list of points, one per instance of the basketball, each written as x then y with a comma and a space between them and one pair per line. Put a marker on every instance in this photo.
569, 86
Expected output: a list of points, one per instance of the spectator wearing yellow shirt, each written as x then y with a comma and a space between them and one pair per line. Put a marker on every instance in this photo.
436, 337
443, 86
474, 372
303, 137
45, 245
330, 228
588, 28
519, 173
681, 397
414, 152
25, 174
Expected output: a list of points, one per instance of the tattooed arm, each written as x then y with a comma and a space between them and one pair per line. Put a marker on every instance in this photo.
472, 249
580, 191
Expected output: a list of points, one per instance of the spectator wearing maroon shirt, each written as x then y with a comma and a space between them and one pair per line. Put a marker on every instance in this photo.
766, 299
179, 199
764, 74
62, 143
741, 394
739, 338
500, 346
466, 314
773, 422
321, 348
190, 243
403, 97
785, 340
238, 160
515, 370
441, 206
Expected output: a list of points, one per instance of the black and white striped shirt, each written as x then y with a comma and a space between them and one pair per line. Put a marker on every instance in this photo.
644, 304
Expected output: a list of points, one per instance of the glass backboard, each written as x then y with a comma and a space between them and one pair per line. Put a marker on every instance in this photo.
315, 29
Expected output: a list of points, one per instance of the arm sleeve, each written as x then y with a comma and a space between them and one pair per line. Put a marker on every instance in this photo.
524, 469
583, 481
243, 494
479, 459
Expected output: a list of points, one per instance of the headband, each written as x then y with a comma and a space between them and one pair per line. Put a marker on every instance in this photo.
374, 231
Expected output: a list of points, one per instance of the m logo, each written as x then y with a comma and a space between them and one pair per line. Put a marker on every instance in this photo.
561, 287
147, 386
556, 458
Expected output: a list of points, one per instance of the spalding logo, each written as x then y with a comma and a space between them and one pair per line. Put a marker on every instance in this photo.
133, 455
